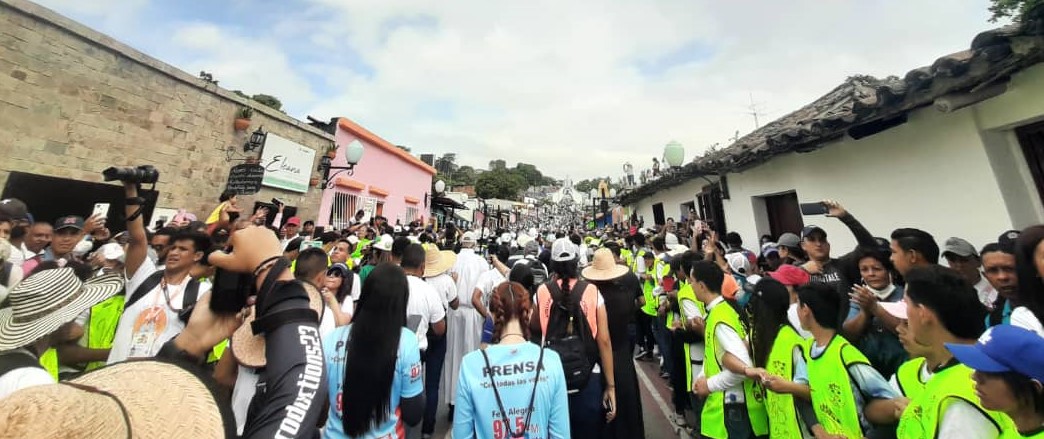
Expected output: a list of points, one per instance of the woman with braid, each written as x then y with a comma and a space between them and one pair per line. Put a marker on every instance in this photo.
513, 387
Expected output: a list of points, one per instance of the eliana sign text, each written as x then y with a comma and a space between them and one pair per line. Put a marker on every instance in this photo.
288, 165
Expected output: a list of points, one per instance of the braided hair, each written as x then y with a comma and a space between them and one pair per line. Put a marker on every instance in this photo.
509, 301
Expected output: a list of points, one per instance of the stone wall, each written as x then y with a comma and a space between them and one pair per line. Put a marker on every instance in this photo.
74, 101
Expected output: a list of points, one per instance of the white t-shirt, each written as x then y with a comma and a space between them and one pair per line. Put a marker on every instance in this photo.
23, 377
486, 283
727, 381
424, 307
242, 393
166, 321
1024, 318
356, 287
987, 294
445, 286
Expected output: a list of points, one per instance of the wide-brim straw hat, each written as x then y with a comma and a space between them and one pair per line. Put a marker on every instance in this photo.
143, 398
438, 261
48, 299
604, 266
249, 349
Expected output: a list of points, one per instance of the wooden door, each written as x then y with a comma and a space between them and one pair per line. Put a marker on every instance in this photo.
1031, 138
784, 214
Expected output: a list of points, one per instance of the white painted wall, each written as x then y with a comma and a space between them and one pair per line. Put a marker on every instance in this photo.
956, 174
672, 200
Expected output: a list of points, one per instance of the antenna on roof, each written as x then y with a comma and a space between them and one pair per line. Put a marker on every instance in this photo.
735, 138
754, 111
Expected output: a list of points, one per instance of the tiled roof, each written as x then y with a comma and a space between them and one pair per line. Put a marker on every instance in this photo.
862, 100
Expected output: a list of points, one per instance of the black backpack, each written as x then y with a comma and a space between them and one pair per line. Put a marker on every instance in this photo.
569, 335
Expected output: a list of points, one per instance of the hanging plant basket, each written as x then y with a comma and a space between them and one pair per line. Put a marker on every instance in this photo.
314, 181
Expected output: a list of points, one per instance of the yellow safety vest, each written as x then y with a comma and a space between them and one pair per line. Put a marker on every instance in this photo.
101, 329
909, 378
217, 352
692, 367
921, 418
713, 417
831, 386
1013, 433
49, 361
783, 419
628, 258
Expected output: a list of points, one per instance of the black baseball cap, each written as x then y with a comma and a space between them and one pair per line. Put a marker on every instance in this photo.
72, 221
13, 209
809, 230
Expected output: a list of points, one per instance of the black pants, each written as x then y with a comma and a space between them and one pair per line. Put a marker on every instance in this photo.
680, 395
434, 358
643, 331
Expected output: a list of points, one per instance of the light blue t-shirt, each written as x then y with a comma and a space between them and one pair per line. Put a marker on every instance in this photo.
514, 369
407, 382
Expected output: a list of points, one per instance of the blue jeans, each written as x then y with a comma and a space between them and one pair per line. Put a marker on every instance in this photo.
435, 356
663, 342
586, 414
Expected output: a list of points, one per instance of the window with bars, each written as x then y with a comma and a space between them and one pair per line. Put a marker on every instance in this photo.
412, 214
342, 213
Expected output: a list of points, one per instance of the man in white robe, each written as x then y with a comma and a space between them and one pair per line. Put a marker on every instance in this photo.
464, 330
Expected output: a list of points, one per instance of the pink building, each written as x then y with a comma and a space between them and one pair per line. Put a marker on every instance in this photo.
387, 181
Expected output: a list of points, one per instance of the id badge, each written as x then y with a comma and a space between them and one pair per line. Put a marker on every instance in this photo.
147, 329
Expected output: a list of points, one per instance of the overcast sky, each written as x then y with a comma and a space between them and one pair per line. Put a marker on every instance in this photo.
574, 87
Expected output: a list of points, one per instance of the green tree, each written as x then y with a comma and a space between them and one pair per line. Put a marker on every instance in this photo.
1016, 9
532, 175
446, 164
269, 100
500, 183
497, 164
464, 175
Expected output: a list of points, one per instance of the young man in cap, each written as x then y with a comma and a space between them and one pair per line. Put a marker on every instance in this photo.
942, 309
68, 231
822, 267
961, 256
157, 297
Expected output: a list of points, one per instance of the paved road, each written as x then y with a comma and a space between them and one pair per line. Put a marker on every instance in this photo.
656, 408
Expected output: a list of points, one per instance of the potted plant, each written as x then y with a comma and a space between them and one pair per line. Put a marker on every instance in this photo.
331, 151
314, 181
243, 116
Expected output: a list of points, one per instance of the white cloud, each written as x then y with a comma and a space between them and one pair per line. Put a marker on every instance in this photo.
557, 84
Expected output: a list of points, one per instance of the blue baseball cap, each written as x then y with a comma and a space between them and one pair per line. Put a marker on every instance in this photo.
1004, 348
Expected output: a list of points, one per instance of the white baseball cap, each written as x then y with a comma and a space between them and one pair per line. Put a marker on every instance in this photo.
563, 250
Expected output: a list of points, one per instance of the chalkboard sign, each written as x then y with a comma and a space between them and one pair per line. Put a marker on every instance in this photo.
245, 179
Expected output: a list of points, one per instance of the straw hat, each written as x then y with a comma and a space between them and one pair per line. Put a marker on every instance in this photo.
437, 262
604, 266
48, 299
248, 348
144, 398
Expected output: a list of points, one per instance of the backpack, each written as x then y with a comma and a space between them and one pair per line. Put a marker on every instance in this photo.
191, 293
569, 334
538, 269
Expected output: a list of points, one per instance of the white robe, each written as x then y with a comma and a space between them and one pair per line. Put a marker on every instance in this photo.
464, 324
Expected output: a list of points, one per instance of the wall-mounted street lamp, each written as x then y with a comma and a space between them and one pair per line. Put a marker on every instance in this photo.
256, 140
352, 154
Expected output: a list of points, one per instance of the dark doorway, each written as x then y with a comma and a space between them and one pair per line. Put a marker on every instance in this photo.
686, 208
711, 209
1031, 137
49, 198
784, 214
658, 217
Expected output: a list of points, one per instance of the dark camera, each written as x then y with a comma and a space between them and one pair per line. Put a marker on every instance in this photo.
276, 202
140, 174
230, 291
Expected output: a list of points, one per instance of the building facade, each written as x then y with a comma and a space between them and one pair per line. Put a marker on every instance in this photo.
387, 181
956, 149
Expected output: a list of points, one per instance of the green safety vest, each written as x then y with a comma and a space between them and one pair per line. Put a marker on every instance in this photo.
783, 419
633, 262
909, 378
712, 420
691, 366
49, 361
651, 303
921, 418
628, 258
671, 315
101, 329
831, 387
216, 353
359, 248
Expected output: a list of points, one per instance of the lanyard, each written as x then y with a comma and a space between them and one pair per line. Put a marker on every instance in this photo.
155, 309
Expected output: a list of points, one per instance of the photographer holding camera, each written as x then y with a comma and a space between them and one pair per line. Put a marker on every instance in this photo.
158, 298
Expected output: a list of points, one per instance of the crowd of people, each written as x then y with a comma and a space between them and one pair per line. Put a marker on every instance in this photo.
255, 325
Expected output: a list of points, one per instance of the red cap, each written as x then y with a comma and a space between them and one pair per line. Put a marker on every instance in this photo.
791, 275
294, 220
